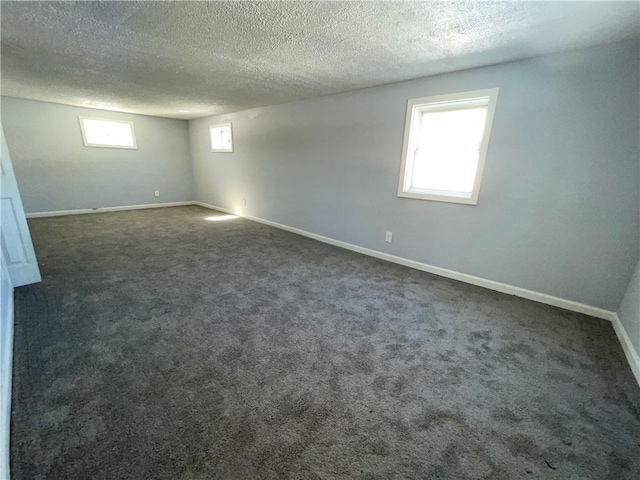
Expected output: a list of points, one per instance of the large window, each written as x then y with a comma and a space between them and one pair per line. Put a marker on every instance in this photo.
445, 144
98, 132
221, 138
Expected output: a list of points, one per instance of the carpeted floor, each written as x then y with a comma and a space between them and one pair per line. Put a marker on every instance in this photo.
161, 345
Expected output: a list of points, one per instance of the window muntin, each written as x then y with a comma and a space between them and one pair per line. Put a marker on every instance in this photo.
446, 140
221, 138
97, 132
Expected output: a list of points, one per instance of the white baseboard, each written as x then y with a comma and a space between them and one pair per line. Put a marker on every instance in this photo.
630, 352
463, 277
83, 211
623, 337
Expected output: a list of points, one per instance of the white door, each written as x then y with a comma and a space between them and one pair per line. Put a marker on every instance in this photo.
17, 249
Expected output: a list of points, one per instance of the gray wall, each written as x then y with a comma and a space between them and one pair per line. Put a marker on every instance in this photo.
629, 312
55, 171
558, 208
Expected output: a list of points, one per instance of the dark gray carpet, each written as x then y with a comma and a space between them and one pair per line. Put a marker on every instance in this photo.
163, 346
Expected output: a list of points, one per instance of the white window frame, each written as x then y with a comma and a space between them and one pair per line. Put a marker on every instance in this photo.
221, 150
103, 145
415, 107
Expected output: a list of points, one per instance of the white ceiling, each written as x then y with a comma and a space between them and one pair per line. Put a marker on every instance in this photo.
158, 58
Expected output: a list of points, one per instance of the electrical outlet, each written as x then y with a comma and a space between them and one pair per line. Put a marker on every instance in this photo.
244, 202
157, 193
388, 237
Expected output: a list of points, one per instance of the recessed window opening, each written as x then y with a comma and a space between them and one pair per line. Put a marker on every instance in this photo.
98, 132
221, 138
445, 144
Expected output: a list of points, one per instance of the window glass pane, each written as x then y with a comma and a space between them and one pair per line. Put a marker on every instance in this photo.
226, 139
104, 132
221, 138
216, 139
448, 149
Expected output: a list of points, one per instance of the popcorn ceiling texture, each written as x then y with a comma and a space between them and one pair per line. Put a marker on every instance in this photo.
157, 58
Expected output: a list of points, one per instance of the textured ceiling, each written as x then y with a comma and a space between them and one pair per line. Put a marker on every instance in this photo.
158, 58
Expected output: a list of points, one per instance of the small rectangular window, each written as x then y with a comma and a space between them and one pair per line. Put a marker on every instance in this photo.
221, 138
445, 144
98, 132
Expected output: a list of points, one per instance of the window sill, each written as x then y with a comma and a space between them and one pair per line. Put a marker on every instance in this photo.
448, 198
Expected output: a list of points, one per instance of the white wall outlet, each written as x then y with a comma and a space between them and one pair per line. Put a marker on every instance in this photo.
157, 193
244, 202
388, 237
